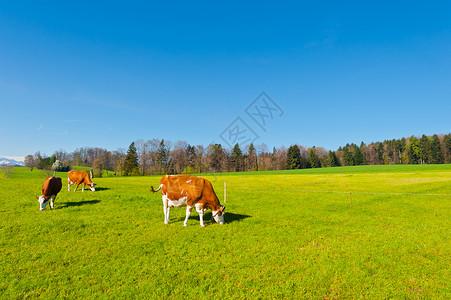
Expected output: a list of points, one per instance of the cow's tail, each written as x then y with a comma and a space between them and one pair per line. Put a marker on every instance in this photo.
154, 191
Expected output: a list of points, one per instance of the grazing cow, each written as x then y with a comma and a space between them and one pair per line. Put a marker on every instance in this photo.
190, 191
77, 177
50, 188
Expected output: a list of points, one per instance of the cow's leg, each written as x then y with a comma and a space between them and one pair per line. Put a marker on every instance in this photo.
188, 213
201, 217
166, 209
68, 184
51, 201
200, 210
76, 187
83, 187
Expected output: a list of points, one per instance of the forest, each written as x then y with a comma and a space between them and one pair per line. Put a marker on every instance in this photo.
153, 157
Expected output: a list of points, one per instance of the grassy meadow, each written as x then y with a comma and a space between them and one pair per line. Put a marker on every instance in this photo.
351, 232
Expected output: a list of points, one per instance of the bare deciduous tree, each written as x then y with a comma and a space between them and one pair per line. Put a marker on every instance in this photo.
7, 170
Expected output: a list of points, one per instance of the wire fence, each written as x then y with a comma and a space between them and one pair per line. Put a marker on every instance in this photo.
227, 188
338, 192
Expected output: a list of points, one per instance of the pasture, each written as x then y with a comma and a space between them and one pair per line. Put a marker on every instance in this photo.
288, 234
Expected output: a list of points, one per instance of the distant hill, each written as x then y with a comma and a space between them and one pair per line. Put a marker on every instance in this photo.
11, 162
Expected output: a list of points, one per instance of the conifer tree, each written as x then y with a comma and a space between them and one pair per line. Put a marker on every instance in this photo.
293, 158
347, 157
380, 151
413, 152
252, 156
359, 156
131, 161
436, 150
424, 149
332, 159
313, 159
447, 146
191, 156
162, 157
237, 158
216, 157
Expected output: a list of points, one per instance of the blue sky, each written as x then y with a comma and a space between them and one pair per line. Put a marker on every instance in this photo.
106, 73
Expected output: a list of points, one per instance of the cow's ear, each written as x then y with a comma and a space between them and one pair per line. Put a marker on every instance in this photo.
37, 197
222, 208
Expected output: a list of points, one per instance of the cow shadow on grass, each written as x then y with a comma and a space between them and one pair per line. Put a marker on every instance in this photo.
228, 218
77, 203
101, 188
232, 217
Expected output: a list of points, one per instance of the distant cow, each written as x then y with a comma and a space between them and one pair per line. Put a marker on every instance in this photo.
190, 191
79, 177
50, 188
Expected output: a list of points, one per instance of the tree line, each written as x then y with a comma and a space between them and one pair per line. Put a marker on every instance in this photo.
153, 157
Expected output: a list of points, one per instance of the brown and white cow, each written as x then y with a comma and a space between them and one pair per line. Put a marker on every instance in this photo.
190, 191
77, 177
50, 188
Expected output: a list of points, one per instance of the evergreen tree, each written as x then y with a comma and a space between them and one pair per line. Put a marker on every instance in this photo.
359, 156
191, 157
313, 159
252, 156
380, 151
436, 150
237, 158
413, 151
293, 158
162, 157
217, 156
400, 146
131, 161
347, 157
333, 160
447, 146
424, 149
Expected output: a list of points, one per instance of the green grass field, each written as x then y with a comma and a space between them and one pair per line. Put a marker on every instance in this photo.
288, 234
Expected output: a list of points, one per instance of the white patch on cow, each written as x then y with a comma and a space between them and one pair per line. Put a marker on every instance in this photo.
199, 208
188, 181
218, 218
42, 203
93, 187
177, 203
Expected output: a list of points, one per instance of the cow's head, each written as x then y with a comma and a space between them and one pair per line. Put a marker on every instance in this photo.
42, 202
92, 187
219, 215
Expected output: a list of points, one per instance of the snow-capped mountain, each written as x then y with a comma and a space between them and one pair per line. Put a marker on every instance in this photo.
11, 162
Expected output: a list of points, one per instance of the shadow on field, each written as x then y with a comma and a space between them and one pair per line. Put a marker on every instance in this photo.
101, 188
228, 218
231, 217
78, 203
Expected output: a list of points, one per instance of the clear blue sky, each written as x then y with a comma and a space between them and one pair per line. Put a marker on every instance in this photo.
106, 73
